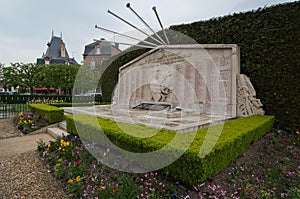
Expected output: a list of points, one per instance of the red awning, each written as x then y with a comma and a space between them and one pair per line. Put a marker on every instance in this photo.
43, 89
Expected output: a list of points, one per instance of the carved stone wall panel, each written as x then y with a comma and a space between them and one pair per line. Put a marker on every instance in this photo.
247, 103
185, 74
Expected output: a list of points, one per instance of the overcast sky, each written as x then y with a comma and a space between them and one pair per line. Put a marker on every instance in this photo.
26, 25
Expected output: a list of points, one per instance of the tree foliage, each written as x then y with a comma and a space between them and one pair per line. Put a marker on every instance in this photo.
19, 75
56, 76
1, 72
28, 76
87, 79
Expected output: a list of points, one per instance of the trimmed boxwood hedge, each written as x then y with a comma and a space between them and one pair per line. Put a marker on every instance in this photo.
50, 113
235, 137
270, 51
78, 104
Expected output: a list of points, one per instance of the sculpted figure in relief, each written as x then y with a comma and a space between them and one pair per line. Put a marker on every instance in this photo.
160, 85
247, 104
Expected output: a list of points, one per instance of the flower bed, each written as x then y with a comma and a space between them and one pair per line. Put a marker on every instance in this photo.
27, 122
87, 178
263, 176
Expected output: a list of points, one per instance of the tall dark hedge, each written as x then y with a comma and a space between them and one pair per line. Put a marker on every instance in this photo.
269, 39
110, 76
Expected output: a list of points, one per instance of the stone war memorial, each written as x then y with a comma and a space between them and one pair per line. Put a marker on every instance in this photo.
184, 82
171, 103
179, 87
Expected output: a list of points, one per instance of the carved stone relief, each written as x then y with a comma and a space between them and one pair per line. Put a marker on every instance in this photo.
159, 81
247, 103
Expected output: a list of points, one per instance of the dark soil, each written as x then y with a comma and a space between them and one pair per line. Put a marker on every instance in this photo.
269, 168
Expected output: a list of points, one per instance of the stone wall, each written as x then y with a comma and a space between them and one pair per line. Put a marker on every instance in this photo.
190, 76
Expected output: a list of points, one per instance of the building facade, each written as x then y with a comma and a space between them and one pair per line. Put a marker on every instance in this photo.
95, 53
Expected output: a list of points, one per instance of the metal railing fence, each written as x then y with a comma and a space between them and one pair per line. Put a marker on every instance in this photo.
11, 105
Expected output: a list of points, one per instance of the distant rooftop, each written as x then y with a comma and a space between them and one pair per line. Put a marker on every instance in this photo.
56, 53
100, 47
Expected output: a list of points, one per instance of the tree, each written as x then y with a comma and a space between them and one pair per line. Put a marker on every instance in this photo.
1, 74
56, 76
28, 76
19, 75
87, 78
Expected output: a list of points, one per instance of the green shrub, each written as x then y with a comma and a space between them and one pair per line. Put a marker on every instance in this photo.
235, 137
50, 113
78, 104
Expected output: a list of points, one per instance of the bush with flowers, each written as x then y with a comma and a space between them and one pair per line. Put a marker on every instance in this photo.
27, 122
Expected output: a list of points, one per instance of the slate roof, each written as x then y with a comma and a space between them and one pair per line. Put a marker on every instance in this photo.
105, 48
54, 53
54, 46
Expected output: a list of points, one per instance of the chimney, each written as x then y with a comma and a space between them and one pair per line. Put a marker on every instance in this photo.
117, 45
63, 50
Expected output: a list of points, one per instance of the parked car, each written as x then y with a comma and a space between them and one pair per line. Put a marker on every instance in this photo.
8, 93
3, 93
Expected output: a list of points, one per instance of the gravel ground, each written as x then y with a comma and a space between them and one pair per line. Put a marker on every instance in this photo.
8, 129
25, 176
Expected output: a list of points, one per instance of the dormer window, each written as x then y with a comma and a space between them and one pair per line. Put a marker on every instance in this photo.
98, 51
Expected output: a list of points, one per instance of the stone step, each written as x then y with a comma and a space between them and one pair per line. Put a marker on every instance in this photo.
63, 125
57, 132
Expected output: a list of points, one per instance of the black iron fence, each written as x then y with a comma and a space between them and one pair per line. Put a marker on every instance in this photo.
11, 110
10, 105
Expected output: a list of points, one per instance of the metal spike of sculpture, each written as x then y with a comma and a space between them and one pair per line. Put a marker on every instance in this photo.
140, 18
147, 44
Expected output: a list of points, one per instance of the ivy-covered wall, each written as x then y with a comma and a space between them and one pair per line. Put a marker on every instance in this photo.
269, 39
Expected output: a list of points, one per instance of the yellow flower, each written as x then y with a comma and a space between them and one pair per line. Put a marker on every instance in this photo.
70, 181
78, 179
49, 145
265, 193
53, 140
58, 165
66, 144
29, 121
20, 122
20, 114
25, 121
60, 160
